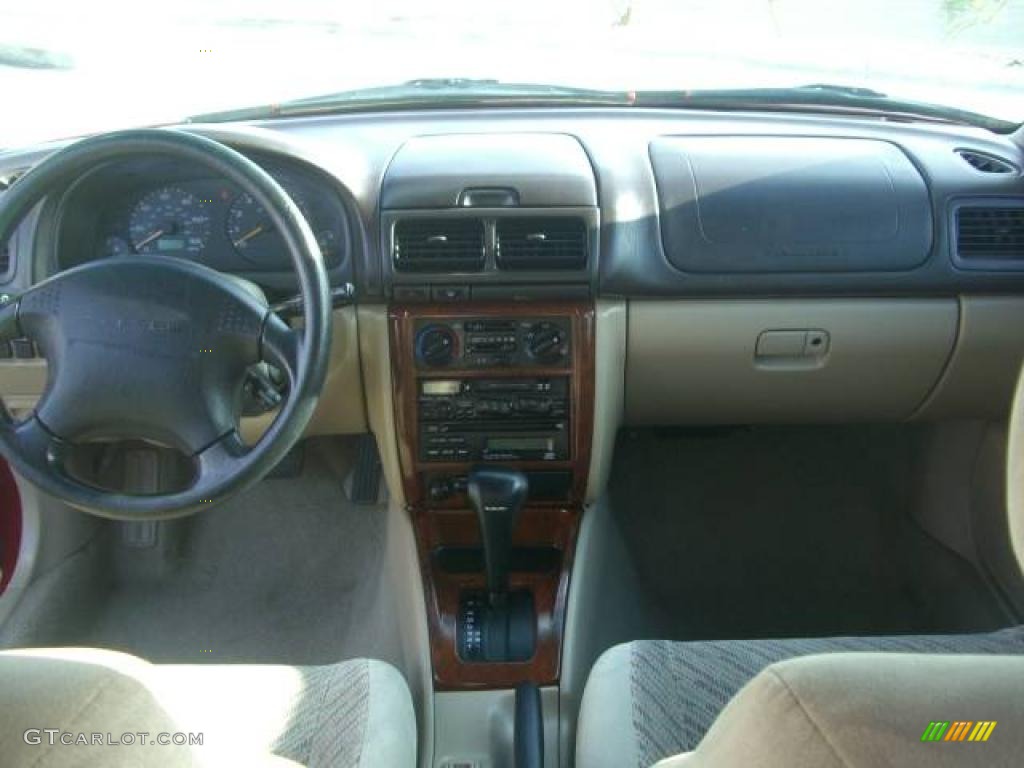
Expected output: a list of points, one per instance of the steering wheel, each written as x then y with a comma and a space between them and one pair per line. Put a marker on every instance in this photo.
156, 348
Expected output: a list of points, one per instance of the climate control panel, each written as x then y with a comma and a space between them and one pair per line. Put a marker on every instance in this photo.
493, 343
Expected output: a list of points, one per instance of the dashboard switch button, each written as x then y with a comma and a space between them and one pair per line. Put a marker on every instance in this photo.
451, 293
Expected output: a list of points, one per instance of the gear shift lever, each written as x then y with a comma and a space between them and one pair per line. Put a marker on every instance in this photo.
497, 495
501, 625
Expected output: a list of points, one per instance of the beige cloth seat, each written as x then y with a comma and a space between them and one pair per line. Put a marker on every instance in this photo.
354, 714
822, 702
854, 710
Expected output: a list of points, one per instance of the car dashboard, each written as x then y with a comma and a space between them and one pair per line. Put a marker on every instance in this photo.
739, 267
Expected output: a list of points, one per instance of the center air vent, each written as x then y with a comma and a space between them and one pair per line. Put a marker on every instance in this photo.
990, 233
986, 163
439, 245
540, 243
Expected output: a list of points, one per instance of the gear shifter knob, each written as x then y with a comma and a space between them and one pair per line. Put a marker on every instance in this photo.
497, 495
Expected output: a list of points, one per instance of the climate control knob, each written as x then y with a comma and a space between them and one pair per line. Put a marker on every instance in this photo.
546, 343
436, 345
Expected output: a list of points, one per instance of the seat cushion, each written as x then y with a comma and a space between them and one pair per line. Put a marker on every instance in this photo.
351, 714
647, 700
862, 710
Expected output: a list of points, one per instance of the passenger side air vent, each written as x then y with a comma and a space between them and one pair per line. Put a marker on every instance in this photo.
986, 163
990, 233
541, 243
439, 244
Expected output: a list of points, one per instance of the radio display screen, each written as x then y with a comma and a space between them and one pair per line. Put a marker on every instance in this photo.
441, 387
520, 444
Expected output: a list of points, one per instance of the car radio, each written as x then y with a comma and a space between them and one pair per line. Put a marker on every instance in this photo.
499, 419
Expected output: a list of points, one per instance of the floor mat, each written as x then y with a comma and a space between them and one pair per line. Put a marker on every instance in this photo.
780, 532
286, 572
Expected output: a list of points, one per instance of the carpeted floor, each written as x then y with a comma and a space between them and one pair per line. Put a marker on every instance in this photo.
288, 572
778, 532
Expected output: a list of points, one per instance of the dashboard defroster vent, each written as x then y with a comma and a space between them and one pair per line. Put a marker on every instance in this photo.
986, 163
439, 245
541, 243
990, 233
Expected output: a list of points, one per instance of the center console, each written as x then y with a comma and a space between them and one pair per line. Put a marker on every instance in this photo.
490, 247
494, 412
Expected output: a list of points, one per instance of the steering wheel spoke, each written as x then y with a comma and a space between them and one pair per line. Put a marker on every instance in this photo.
280, 345
216, 463
41, 451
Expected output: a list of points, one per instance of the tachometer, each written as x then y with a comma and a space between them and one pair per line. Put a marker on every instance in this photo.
253, 235
169, 220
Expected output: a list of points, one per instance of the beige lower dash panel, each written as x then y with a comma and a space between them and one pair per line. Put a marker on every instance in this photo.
341, 410
982, 372
21, 383
694, 362
342, 406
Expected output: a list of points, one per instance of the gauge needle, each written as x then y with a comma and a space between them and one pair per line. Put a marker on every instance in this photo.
249, 235
150, 239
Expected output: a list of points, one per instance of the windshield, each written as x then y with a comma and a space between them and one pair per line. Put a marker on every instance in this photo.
69, 67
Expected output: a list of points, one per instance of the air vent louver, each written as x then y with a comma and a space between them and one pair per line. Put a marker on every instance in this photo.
986, 163
541, 243
986, 233
439, 245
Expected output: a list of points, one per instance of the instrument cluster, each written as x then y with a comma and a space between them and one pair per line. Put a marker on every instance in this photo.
154, 211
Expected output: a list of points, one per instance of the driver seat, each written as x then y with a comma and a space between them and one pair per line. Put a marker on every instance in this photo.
345, 715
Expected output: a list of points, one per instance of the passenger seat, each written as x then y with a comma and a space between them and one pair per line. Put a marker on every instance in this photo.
847, 702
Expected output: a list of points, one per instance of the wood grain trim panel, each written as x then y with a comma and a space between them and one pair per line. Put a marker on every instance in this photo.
452, 524
581, 388
538, 526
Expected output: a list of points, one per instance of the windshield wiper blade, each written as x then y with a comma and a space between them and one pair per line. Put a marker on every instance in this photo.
425, 93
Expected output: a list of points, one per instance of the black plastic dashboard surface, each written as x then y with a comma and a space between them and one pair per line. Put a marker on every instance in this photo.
352, 153
789, 204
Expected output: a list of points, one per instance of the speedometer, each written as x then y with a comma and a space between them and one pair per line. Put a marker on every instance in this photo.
169, 220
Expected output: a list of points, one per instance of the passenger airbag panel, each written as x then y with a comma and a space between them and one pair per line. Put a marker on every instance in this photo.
789, 204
